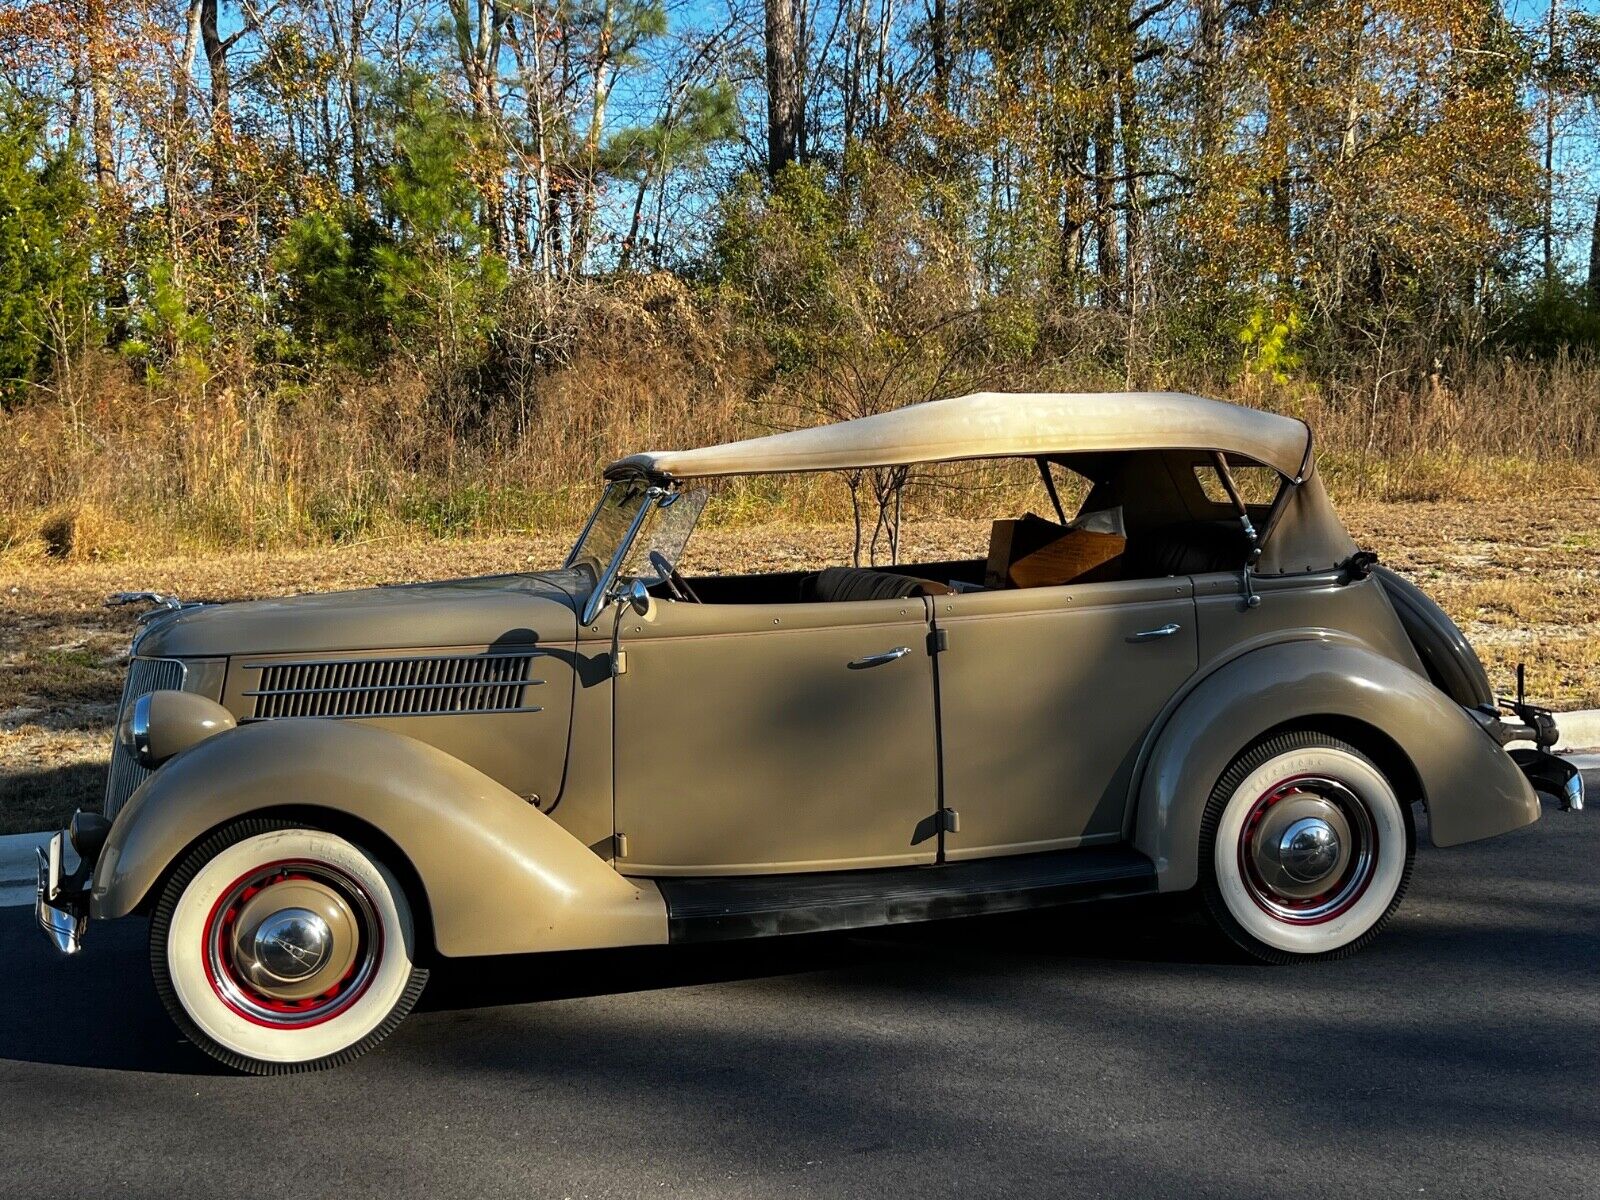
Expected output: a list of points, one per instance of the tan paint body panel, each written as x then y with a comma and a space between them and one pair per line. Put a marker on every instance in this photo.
506, 611
178, 720
1471, 787
524, 752
1043, 703
499, 876
745, 744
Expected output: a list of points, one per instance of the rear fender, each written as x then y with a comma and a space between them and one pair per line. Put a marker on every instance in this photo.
500, 877
1471, 787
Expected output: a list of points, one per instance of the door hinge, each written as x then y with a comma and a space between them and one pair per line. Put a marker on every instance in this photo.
619, 664
620, 844
938, 641
949, 820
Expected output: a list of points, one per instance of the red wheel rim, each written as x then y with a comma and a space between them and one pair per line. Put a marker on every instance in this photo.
233, 986
1342, 889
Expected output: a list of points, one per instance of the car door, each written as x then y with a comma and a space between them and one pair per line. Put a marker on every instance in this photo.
784, 737
1044, 697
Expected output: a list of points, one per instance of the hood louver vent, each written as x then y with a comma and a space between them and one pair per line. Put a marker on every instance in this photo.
432, 685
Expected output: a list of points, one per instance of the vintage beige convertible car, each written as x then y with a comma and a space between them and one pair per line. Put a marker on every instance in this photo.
313, 799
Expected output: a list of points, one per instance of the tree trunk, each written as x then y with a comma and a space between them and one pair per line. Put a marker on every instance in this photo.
114, 267
1106, 233
1069, 250
1132, 163
1548, 231
939, 40
217, 62
191, 49
1280, 199
99, 31
221, 106
1208, 35
358, 140
1594, 255
583, 226
785, 99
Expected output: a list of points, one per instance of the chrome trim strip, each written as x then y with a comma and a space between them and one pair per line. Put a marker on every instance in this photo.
139, 730
1150, 635
391, 658
400, 716
572, 554
598, 597
877, 660
392, 687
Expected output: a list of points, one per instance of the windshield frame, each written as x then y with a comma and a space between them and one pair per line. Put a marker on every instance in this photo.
602, 585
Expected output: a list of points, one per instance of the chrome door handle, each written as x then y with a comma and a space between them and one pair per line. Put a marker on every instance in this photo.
1150, 635
877, 660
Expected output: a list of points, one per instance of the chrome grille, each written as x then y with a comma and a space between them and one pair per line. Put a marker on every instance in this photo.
144, 675
424, 685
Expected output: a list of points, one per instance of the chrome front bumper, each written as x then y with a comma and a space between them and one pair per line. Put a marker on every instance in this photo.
61, 904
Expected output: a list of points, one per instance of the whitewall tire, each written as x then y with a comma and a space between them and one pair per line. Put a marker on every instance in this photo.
1306, 848
280, 948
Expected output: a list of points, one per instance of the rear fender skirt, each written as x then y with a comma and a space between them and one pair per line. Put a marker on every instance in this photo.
1470, 785
500, 876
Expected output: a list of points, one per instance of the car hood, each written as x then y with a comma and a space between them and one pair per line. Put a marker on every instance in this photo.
489, 611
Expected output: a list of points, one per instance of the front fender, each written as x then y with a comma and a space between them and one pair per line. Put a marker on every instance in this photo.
1471, 787
500, 876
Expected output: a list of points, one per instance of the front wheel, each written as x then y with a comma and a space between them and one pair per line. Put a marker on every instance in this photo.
278, 948
1305, 849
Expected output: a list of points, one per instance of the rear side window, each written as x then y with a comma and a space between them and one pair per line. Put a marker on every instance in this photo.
1256, 484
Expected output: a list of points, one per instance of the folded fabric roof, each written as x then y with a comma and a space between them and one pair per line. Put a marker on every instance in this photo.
1000, 425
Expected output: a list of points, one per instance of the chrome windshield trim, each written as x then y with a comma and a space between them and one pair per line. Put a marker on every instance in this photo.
602, 586
572, 555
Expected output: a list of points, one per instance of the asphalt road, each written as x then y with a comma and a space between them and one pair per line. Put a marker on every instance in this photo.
1100, 1052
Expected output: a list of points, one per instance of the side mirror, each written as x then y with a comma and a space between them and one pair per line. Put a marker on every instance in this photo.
638, 597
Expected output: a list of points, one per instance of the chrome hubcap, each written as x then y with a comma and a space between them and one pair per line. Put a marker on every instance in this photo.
292, 943
1307, 849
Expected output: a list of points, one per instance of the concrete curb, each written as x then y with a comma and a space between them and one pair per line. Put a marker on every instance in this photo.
19, 867
19, 859
1580, 730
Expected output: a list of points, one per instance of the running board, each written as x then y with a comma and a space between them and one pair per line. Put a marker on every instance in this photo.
712, 908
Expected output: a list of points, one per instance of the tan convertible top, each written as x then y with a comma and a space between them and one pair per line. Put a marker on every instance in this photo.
1001, 425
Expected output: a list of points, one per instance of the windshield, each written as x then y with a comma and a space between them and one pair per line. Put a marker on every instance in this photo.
662, 536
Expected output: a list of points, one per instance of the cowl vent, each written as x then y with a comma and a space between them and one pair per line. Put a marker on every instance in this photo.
418, 686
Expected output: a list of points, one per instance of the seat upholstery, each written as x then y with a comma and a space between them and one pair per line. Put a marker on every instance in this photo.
858, 583
1189, 548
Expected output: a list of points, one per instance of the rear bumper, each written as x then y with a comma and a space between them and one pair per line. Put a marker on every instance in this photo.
1548, 773
1552, 776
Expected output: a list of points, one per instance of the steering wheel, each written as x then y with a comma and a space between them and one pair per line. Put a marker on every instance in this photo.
676, 583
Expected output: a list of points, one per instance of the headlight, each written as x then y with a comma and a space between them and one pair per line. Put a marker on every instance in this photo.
161, 724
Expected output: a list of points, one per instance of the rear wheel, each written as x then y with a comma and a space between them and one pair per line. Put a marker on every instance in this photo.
278, 948
1305, 849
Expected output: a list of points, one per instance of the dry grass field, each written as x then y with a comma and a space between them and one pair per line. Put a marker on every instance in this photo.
1522, 584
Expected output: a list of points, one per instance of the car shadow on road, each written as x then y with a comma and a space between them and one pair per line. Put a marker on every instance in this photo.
1158, 931
99, 1009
